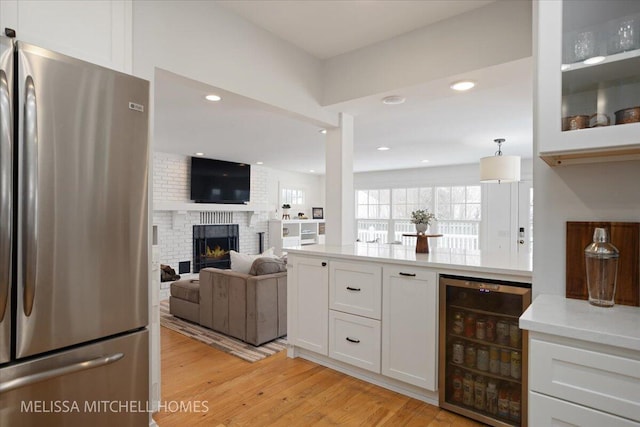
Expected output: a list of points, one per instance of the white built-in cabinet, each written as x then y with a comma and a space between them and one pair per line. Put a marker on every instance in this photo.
294, 233
410, 325
382, 319
584, 363
99, 32
307, 303
576, 101
581, 383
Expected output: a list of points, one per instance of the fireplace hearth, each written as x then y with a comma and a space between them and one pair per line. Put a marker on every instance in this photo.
211, 245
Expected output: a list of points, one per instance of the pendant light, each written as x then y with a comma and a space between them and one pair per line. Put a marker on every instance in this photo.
499, 168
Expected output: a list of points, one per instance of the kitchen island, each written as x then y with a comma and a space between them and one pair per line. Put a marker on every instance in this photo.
372, 310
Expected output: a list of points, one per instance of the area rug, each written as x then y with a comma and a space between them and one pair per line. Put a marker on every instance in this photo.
217, 340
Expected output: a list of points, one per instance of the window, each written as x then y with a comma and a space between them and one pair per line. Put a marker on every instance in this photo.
384, 215
292, 196
373, 204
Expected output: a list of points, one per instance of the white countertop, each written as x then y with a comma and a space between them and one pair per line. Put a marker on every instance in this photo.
516, 265
618, 326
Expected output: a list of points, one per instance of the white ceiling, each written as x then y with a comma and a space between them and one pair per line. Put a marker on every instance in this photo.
328, 28
434, 124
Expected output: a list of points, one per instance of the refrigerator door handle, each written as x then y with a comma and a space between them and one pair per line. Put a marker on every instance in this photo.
58, 372
30, 200
6, 185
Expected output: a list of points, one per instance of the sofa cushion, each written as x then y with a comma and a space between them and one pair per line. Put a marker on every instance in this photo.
267, 265
241, 263
188, 290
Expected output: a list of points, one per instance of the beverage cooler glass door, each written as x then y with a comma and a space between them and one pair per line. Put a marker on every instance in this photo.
483, 352
82, 208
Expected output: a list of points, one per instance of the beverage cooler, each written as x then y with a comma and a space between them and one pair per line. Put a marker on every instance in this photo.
483, 352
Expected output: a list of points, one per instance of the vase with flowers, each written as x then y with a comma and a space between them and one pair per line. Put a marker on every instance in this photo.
422, 219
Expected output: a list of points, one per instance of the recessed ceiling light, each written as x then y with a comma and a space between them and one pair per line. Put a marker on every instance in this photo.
462, 85
425, 161
565, 67
311, 170
594, 60
323, 131
259, 163
213, 98
393, 100
383, 148
199, 154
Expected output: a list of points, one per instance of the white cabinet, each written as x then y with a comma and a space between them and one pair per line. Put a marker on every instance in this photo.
410, 325
580, 115
295, 233
596, 380
354, 340
355, 288
95, 31
548, 411
308, 303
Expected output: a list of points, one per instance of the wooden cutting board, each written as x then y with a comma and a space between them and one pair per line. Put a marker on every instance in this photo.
623, 235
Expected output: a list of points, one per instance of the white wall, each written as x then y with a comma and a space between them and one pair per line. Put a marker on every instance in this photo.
497, 33
312, 185
440, 175
205, 42
593, 192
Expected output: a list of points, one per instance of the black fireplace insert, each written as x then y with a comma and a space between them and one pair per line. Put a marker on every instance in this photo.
211, 245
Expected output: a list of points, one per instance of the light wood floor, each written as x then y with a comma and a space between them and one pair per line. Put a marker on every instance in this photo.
279, 391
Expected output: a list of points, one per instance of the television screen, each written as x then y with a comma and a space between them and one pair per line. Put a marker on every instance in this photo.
217, 181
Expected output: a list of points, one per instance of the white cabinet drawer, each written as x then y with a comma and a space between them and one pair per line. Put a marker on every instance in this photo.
591, 378
355, 288
547, 411
354, 340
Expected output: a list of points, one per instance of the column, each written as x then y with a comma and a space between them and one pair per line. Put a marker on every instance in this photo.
340, 211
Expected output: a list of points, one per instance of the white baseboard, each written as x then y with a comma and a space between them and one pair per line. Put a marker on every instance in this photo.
427, 396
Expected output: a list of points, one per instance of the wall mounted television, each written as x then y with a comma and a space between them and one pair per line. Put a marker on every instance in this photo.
218, 181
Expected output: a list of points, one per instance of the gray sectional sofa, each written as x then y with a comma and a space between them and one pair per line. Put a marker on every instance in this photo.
248, 307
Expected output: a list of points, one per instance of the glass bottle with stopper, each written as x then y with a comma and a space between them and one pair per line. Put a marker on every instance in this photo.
601, 259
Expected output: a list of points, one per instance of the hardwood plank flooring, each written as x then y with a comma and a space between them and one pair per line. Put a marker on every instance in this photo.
278, 391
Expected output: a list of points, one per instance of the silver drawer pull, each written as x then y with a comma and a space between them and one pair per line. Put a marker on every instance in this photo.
407, 274
355, 341
349, 288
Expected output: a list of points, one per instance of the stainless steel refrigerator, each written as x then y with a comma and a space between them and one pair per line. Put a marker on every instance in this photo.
73, 242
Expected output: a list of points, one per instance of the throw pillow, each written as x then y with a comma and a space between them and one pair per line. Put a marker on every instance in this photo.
267, 265
241, 263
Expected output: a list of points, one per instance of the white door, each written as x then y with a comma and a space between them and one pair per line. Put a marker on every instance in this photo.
410, 326
308, 303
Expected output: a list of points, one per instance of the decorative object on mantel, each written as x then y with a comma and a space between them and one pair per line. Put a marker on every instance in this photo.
317, 213
422, 241
601, 259
219, 341
285, 211
422, 219
301, 215
623, 235
499, 168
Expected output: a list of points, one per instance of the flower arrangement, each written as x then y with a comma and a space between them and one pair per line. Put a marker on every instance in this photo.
422, 216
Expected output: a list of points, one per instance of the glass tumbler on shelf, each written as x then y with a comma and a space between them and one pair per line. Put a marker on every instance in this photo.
625, 34
601, 259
